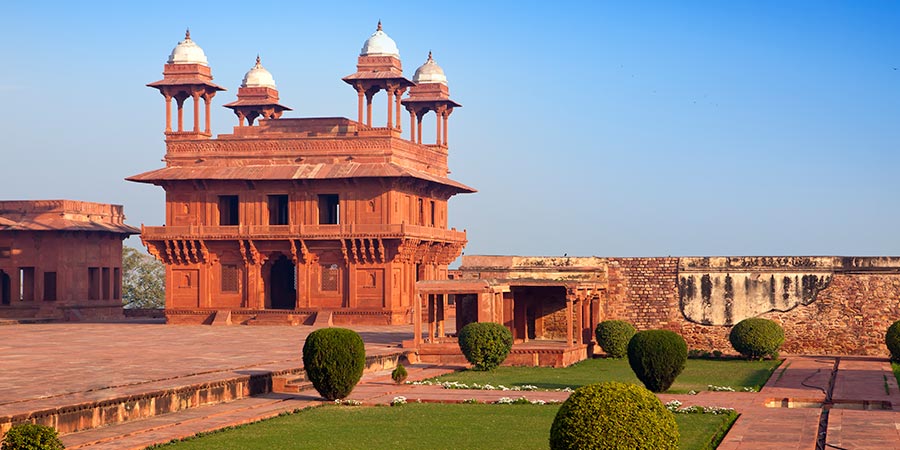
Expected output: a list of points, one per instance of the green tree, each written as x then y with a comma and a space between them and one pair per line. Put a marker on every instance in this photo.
143, 280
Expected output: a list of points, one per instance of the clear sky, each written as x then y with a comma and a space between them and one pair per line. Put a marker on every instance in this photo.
589, 128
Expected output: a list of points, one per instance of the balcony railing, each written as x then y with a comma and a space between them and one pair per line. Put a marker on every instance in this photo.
312, 232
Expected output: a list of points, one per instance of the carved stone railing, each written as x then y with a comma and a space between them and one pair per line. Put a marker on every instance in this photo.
313, 232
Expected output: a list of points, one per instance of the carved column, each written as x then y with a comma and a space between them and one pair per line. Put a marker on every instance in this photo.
569, 307
168, 113
196, 112
390, 108
397, 94
369, 96
360, 92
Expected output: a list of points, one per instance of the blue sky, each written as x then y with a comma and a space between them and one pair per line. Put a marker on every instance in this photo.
594, 128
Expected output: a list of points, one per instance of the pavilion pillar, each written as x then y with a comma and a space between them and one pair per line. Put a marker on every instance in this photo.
360, 93
417, 320
180, 104
445, 115
412, 126
569, 336
418, 129
168, 114
441, 304
390, 108
397, 95
437, 128
196, 113
369, 109
206, 101
579, 312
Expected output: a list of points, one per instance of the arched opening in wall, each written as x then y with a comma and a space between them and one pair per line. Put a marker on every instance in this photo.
282, 284
4, 288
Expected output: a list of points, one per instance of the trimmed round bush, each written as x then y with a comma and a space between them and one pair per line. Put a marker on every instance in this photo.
399, 374
657, 357
334, 359
756, 337
485, 344
613, 337
29, 436
613, 415
892, 340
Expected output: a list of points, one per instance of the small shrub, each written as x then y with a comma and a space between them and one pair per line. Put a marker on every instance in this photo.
29, 436
399, 374
485, 344
892, 340
657, 357
613, 337
334, 359
613, 415
756, 337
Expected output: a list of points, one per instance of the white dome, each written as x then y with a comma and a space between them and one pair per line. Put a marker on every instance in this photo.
379, 44
430, 72
187, 52
258, 76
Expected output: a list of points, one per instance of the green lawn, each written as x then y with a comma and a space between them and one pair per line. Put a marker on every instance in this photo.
697, 375
896, 368
435, 426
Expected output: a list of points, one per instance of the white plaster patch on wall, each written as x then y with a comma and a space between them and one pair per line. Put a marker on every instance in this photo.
725, 298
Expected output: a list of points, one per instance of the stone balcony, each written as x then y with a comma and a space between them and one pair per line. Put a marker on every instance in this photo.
311, 232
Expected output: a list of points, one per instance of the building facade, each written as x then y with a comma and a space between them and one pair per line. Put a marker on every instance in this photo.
61, 259
292, 221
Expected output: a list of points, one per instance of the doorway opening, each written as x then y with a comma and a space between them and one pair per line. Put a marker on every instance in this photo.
283, 286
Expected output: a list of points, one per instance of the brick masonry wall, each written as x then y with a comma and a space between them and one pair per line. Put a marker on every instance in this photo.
849, 317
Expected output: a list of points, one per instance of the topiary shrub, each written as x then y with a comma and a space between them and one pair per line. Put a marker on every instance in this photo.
334, 359
399, 374
756, 337
892, 340
613, 415
485, 344
613, 337
657, 357
29, 436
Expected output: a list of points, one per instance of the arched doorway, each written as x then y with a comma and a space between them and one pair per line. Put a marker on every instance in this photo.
282, 285
4, 288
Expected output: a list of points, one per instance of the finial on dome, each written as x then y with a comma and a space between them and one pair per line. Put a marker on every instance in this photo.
187, 34
257, 59
379, 25
429, 56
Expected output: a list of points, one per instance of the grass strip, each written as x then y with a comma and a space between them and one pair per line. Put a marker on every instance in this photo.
425, 425
697, 376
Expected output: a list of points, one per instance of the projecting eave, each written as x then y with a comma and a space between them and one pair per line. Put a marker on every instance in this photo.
295, 172
182, 81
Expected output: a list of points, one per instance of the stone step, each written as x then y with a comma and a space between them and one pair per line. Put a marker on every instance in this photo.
163, 428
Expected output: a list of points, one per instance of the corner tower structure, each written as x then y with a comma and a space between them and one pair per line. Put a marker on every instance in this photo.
312, 220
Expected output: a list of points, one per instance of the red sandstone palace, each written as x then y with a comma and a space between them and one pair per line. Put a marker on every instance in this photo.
61, 259
299, 220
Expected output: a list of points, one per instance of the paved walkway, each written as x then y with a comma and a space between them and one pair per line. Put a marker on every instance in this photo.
51, 365
58, 363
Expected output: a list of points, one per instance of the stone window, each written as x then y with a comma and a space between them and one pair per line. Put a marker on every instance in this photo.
49, 286
93, 283
229, 210
331, 274
117, 283
421, 212
278, 210
329, 209
105, 283
231, 278
26, 284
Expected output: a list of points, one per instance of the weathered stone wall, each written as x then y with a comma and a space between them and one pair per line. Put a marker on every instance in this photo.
643, 292
830, 306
